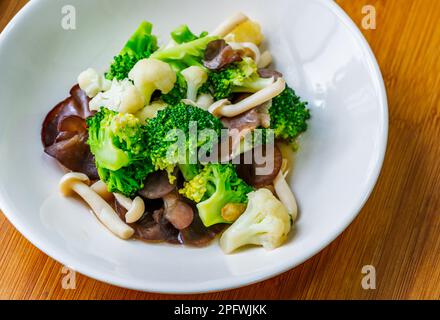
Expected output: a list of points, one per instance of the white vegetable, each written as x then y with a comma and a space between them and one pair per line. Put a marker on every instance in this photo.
78, 183
136, 207
222, 109
265, 60
121, 97
284, 192
230, 24
195, 77
150, 111
102, 190
204, 101
265, 222
91, 82
150, 75
247, 45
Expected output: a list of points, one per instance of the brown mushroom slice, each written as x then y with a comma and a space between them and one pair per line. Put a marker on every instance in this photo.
198, 235
219, 54
152, 227
247, 121
269, 73
177, 211
76, 105
64, 134
249, 171
72, 124
157, 185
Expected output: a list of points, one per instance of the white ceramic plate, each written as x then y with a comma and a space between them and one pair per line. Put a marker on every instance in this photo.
317, 47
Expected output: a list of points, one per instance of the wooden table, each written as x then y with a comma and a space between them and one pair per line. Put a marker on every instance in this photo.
398, 231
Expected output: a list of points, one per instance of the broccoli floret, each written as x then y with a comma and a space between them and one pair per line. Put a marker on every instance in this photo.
183, 34
288, 115
163, 132
238, 77
118, 143
140, 46
186, 54
215, 187
127, 180
177, 93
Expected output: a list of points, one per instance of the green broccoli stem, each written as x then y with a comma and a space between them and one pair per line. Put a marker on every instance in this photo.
210, 210
189, 171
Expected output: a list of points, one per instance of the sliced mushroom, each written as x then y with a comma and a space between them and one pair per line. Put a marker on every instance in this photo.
73, 153
223, 109
177, 211
135, 208
219, 54
284, 192
157, 185
269, 73
197, 234
265, 59
78, 183
64, 134
230, 24
154, 227
249, 170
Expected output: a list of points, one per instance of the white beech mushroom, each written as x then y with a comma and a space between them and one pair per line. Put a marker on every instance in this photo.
101, 188
265, 60
135, 208
78, 183
284, 192
250, 46
223, 108
230, 24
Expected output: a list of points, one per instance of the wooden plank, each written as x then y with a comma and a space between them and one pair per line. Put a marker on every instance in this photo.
398, 230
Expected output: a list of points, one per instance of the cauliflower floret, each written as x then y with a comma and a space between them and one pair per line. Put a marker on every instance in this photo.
121, 97
91, 82
150, 75
265, 222
249, 31
195, 77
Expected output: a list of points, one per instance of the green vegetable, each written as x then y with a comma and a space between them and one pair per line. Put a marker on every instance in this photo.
183, 34
140, 46
118, 143
238, 77
288, 115
163, 132
186, 54
215, 187
189, 171
178, 93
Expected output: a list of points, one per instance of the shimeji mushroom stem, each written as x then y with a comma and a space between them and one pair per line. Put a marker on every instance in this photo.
135, 208
230, 24
284, 192
222, 108
76, 183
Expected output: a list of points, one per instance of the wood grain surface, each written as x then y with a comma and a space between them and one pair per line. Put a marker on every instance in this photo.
398, 231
